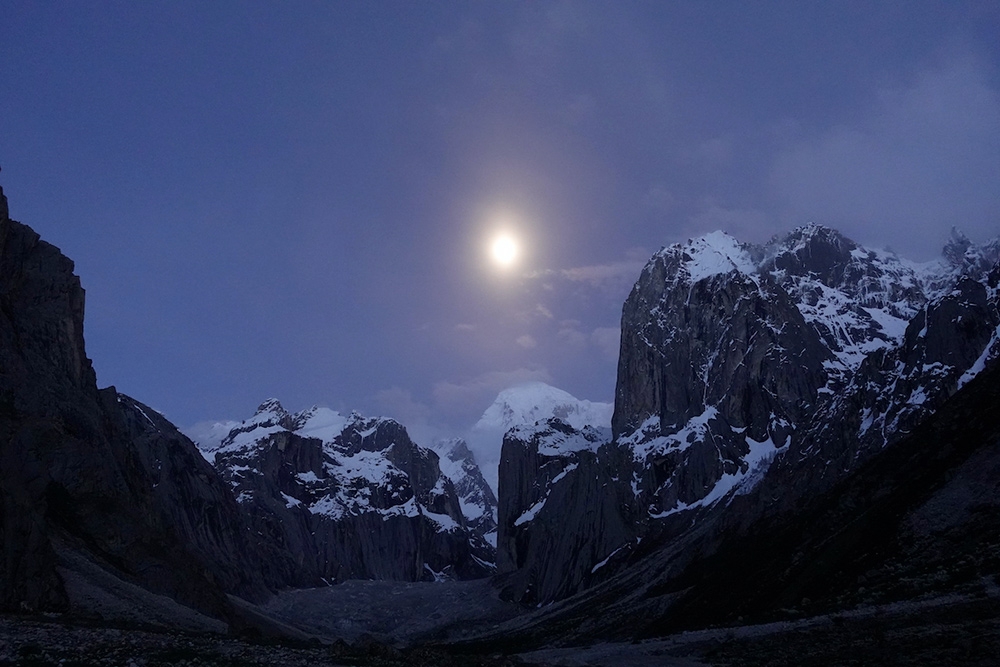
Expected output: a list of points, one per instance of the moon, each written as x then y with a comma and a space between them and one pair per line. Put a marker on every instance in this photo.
504, 250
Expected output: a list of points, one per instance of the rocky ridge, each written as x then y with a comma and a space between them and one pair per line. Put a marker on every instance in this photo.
350, 497
476, 497
791, 362
107, 510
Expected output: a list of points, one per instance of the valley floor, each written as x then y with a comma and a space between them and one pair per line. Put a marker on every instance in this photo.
948, 630
55, 641
398, 613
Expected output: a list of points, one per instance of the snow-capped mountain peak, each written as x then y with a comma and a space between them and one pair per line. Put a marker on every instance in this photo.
527, 404
709, 255
324, 477
716, 253
536, 401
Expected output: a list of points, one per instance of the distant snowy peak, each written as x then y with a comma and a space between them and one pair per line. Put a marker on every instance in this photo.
271, 417
965, 258
207, 436
536, 401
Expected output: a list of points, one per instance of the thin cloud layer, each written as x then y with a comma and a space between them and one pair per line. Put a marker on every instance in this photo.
924, 157
463, 402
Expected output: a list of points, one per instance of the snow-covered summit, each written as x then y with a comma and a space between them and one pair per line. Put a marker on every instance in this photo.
527, 404
709, 255
858, 299
555, 437
536, 401
271, 417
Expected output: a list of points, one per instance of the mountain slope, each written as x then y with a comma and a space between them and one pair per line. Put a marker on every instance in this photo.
750, 379
478, 502
348, 498
93, 474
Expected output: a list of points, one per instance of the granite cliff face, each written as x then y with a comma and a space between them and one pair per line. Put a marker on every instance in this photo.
562, 510
348, 498
750, 377
93, 474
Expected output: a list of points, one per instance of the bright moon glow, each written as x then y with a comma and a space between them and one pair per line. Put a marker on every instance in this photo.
504, 250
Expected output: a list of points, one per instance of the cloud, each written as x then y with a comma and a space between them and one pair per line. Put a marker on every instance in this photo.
399, 404
659, 199
572, 339
542, 310
415, 416
527, 342
598, 275
602, 274
922, 158
743, 224
464, 402
607, 340
714, 153
465, 327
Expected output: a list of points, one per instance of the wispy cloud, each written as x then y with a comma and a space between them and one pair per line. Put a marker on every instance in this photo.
400, 405
572, 339
922, 158
527, 342
607, 340
598, 275
415, 416
464, 401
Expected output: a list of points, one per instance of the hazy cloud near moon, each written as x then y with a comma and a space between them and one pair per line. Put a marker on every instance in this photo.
600, 127
527, 341
464, 401
607, 340
924, 157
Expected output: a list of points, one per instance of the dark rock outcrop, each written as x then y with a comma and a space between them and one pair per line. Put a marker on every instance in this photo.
479, 503
917, 522
93, 471
546, 554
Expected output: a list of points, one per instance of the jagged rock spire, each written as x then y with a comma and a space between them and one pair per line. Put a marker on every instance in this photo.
958, 243
4, 211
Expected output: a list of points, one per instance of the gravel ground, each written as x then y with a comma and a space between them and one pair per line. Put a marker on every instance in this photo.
945, 632
399, 613
52, 640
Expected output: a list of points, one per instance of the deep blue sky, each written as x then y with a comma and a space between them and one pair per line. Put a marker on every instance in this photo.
292, 199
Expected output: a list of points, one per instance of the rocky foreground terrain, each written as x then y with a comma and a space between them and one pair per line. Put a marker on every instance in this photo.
946, 631
49, 640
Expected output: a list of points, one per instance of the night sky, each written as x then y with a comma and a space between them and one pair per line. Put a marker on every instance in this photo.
296, 199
